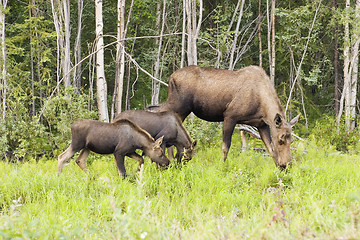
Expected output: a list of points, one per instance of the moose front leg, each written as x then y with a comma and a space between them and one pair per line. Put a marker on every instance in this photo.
120, 164
228, 129
265, 135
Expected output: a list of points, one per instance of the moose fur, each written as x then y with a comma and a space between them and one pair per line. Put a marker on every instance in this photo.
120, 138
165, 124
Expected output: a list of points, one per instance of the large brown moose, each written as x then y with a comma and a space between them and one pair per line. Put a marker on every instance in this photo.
243, 96
163, 124
121, 138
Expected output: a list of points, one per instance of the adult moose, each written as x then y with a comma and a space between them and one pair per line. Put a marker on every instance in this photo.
121, 138
166, 125
243, 96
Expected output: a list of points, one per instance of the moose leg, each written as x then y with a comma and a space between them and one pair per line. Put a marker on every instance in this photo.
65, 158
228, 129
81, 160
266, 137
179, 153
120, 164
137, 157
170, 151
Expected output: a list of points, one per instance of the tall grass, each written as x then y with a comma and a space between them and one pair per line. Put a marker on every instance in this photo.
246, 197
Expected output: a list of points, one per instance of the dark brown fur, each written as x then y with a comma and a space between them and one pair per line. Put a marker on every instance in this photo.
244, 96
165, 124
121, 138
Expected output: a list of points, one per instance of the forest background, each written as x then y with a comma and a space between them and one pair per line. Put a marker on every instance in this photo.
62, 60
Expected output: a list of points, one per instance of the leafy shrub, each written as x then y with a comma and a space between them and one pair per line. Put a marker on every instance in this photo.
60, 112
24, 136
326, 132
203, 131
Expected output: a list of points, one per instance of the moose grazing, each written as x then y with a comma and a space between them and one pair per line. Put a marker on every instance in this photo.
244, 96
121, 137
164, 124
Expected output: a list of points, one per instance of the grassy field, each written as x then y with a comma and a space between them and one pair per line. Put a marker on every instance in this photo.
246, 197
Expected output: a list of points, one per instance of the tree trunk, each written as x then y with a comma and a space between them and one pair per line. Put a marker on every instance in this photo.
61, 15
120, 56
355, 39
3, 92
67, 59
271, 38
101, 86
193, 29
351, 50
336, 66
155, 84
259, 35
77, 48
236, 34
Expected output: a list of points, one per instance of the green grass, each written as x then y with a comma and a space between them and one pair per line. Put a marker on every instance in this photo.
246, 197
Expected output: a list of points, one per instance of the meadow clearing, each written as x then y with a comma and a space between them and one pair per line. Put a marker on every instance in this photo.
246, 197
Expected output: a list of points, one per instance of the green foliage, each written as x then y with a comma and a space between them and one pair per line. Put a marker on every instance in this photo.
327, 133
203, 131
60, 112
246, 197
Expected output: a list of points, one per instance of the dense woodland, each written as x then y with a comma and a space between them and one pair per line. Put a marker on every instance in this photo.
62, 60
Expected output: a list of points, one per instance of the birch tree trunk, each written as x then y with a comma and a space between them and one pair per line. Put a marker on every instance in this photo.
101, 86
355, 39
193, 29
77, 48
259, 35
120, 57
271, 38
236, 34
3, 4
336, 65
61, 15
351, 51
67, 59
155, 84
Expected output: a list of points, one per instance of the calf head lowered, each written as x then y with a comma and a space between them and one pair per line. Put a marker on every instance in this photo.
156, 153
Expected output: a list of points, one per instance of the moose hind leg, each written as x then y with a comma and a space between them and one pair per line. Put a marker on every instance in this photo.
228, 129
65, 158
81, 160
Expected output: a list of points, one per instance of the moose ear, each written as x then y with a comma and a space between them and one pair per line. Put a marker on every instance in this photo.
294, 120
159, 141
278, 120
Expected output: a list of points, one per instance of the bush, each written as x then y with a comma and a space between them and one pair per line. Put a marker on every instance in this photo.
24, 136
203, 131
326, 132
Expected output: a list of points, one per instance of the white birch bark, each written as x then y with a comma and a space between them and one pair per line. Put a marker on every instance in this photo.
3, 4
61, 16
193, 29
156, 85
77, 48
236, 34
120, 56
271, 37
101, 86
351, 51
67, 59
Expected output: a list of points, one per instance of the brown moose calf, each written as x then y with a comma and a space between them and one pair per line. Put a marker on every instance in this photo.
121, 138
